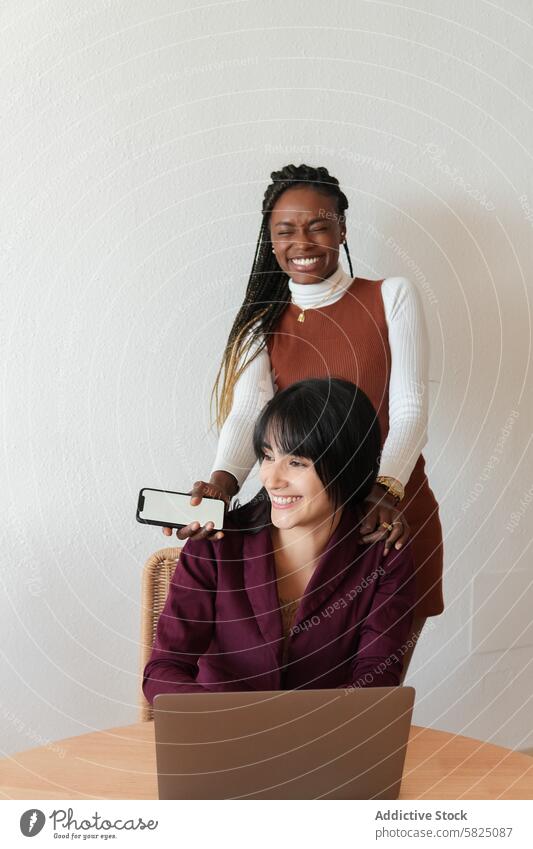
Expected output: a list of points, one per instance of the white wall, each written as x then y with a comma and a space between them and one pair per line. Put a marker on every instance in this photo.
137, 141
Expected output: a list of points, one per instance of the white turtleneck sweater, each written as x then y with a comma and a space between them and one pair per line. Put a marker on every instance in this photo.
408, 396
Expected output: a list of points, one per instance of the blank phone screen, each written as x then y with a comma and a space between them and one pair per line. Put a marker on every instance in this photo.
175, 508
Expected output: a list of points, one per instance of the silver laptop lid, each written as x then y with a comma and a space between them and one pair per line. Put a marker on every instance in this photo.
288, 744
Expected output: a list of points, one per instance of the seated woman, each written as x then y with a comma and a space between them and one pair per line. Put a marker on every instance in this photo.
289, 598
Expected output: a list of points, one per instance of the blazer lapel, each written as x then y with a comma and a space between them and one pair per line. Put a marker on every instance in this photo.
341, 552
261, 588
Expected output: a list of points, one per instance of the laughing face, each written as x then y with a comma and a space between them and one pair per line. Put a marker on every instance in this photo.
306, 232
297, 494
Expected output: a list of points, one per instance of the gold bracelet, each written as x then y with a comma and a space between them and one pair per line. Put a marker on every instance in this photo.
394, 487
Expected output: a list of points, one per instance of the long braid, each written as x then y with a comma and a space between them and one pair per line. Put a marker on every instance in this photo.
267, 293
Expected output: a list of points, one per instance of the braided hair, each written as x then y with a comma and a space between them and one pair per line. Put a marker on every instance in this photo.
267, 293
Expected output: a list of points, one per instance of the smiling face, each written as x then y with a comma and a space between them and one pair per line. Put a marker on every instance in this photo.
306, 231
297, 494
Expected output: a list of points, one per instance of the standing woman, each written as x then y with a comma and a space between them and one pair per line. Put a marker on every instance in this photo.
303, 316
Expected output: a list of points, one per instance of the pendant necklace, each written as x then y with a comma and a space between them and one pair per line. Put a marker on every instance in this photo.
301, 317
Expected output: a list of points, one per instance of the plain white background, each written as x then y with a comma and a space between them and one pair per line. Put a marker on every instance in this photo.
137, 140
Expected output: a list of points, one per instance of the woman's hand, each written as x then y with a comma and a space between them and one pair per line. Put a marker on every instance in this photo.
383, 521
218, 487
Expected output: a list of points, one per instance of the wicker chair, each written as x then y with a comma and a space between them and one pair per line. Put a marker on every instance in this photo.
157, 572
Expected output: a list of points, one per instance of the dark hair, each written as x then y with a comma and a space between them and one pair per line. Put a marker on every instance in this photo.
268, 292
329, 421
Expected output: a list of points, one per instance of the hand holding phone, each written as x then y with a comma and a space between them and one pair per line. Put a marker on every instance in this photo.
185, 511
195, 529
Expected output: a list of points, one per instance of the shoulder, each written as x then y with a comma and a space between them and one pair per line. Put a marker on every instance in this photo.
246, 520
400, 297
393, 290
198, 549
399, 286
391, 573
254, 340
397, 565
256, 330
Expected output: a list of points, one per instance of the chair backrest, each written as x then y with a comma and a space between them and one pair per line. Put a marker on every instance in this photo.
157, 572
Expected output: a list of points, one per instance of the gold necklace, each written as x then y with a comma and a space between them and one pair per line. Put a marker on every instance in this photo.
301, 317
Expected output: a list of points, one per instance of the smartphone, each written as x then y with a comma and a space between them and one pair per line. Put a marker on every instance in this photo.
174, 510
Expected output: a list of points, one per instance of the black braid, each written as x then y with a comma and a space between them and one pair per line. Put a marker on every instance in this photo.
267, 293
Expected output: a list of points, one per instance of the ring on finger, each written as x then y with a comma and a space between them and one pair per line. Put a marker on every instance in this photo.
386, 526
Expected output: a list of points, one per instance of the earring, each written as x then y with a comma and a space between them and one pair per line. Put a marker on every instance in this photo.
273, 251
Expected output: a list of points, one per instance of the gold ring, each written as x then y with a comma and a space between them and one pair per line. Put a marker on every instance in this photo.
386, 525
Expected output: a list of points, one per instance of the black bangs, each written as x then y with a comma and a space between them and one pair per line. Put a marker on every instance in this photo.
293, 425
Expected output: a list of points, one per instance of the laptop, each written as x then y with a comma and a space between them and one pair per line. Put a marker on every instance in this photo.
283, 744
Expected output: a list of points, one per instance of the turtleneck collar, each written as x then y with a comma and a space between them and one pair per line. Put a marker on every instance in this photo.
308, 294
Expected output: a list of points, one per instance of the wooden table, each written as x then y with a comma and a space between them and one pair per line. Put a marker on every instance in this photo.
119, 763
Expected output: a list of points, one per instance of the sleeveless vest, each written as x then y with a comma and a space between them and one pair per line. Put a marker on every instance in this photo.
349, 339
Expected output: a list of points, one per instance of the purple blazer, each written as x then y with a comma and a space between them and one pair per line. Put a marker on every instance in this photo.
221, 626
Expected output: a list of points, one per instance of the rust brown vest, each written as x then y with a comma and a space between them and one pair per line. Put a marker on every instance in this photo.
349, 339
